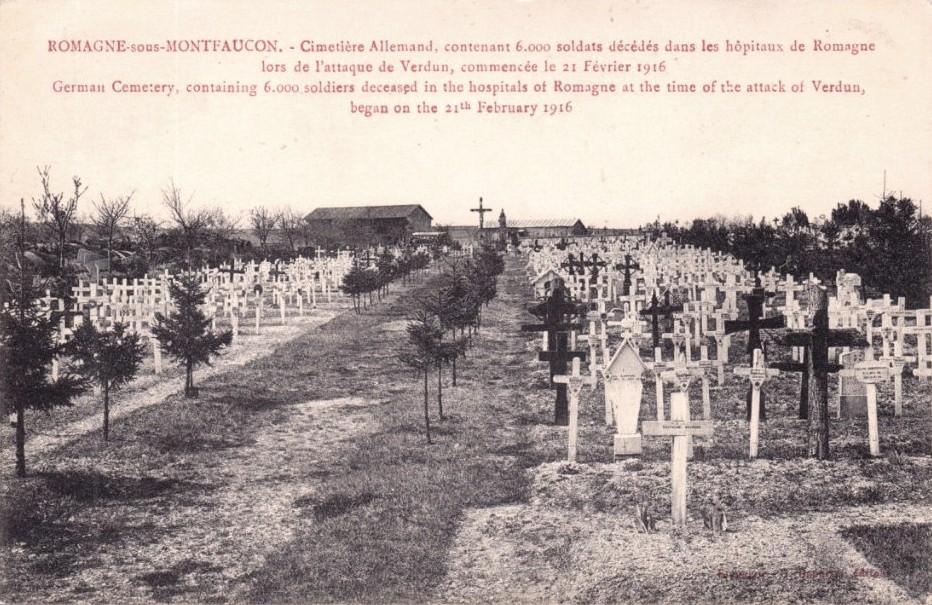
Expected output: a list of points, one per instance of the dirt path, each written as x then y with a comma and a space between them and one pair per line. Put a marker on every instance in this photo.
214, 540
150, 390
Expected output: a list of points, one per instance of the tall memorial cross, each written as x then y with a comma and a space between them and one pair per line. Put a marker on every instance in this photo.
555, 312
655, 311
481, 212
573, 383
753, 325
815, 366
681, 430
755, 321
757, 374
627, 267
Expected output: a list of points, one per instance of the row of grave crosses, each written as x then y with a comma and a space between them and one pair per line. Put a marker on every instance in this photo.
756, 300
134, 302
810, 343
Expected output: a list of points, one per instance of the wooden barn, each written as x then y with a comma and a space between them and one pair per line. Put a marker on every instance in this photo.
371, 224
545, 228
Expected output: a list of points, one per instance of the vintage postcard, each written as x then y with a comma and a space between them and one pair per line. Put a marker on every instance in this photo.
463, 301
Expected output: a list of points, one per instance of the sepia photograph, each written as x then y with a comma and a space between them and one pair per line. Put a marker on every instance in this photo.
466, 301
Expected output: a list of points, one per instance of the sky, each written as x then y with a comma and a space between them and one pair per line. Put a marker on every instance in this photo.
618, 159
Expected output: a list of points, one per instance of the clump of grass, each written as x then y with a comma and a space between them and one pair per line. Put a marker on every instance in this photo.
166, 583
335, 504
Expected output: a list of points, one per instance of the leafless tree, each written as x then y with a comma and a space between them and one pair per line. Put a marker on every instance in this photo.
290, 223
307, 231
57, 213
221, 229
145, 230
108, 214
263, 221
192, 224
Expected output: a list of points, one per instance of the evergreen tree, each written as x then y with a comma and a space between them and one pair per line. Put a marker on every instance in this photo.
109, 359
27, 348
424, 335
185, 334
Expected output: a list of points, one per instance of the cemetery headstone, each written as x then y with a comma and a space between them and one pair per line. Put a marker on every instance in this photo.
623, 390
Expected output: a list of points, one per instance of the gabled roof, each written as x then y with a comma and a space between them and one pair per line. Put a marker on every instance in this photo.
365, 212
547, 275
626, 363
542, 222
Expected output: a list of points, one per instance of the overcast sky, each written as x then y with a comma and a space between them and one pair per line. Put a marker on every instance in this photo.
618, 159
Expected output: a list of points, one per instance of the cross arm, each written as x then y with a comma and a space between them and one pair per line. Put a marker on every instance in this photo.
561, 355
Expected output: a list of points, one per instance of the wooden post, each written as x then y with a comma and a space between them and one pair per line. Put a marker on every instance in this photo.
574, 384
870, 373
681, 431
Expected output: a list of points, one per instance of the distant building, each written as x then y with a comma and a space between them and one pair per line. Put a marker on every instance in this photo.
542, 228
371, 224
526, 229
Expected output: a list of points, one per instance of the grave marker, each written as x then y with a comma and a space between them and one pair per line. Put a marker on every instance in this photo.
554, 312
870, 373
753, 325
627, 267
757, 374
681, 430
623, 390
574, 384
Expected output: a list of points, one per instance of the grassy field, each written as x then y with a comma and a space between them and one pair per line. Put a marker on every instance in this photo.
305, 476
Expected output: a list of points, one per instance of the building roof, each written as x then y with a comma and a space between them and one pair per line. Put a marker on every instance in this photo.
365, 212
542, 223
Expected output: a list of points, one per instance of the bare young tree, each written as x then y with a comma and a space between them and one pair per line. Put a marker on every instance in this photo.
263, 221
108, 214
57, 213
290, 222
145, 230
192, 224
221, 229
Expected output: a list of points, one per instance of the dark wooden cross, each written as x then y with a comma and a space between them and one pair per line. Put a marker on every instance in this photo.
481, 212
561, 245
627, 267
274, 272
555, 312
755, 321
232, 270
655, 310
753, 324
815, 368
595, 263
572, 264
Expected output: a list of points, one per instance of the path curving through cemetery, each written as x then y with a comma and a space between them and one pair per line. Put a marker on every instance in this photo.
148, 390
